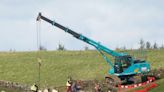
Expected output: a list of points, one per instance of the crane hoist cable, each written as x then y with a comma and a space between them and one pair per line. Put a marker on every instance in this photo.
38, 56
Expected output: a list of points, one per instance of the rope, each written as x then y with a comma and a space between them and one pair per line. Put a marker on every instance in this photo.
38, 29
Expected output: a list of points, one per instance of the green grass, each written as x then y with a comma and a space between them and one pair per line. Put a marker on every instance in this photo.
56, 66
160, 86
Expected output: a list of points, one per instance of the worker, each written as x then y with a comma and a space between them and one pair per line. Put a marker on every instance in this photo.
54, 90
34, 88
39, 91
69, 85
45, 90
76, 86
97, 87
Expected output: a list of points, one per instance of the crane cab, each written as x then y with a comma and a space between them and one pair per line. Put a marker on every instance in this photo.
126, 65
121, 63
126, 68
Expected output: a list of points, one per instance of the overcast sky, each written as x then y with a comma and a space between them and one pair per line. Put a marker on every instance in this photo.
113, 23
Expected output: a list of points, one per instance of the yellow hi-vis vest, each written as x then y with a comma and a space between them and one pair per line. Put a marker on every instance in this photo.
33, 88
68, 84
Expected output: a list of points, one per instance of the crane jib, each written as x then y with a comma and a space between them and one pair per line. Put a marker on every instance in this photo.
79, 36
97, 45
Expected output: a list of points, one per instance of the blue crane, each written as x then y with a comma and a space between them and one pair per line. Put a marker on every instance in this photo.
125, 68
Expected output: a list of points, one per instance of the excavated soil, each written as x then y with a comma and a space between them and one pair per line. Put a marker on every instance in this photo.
82, 85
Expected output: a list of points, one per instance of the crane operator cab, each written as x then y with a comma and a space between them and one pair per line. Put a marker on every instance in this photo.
122, 63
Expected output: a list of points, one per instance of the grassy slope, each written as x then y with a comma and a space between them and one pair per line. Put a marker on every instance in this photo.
56, 66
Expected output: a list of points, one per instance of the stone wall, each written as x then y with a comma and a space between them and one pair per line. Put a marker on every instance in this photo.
14, 86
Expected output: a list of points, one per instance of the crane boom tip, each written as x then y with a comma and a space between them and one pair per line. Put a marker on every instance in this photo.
39, 15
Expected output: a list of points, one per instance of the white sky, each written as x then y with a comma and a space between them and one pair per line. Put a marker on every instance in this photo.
114, 23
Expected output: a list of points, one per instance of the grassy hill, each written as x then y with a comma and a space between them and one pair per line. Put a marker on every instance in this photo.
56, 66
